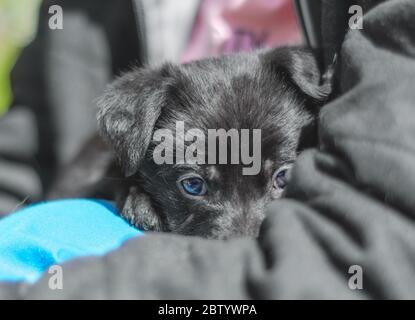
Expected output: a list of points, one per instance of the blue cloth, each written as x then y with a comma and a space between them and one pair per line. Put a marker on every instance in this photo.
45, 234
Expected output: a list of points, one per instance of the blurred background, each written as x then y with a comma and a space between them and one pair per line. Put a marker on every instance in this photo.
18, 21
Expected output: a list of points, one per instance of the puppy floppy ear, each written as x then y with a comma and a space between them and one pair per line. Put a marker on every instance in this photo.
128, 111
300, 67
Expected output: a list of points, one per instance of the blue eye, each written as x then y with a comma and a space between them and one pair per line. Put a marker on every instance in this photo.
280, 178
194, 186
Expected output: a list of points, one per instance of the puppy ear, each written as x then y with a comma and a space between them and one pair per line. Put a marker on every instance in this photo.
128, 111
300, 66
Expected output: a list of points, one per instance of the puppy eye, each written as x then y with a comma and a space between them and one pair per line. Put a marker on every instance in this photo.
281, 177
193, 186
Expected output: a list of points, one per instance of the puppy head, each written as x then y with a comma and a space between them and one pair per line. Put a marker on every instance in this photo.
275, 93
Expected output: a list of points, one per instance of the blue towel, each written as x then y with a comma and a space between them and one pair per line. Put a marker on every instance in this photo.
45, 234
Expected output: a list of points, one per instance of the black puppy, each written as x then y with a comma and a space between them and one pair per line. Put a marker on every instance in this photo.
276, 91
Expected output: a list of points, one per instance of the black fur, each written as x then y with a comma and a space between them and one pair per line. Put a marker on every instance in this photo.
277, 91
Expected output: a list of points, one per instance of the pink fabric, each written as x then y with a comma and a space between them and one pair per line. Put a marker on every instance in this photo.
225, 26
